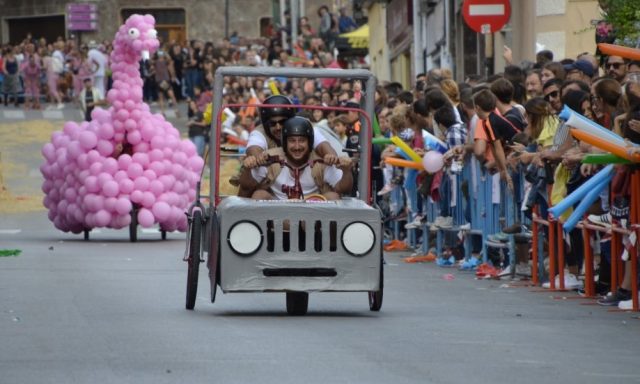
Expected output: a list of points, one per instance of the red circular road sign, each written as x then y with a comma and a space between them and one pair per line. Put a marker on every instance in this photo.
486, 16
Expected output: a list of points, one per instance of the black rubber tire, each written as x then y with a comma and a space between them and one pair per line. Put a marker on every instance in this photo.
193, 261
375, 297
297, 303
133, 226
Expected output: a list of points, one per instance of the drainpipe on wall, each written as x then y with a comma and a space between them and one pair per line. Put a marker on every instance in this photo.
418, 49
445, 52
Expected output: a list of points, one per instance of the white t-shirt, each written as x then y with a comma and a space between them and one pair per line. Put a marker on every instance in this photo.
257, 138
101, 59
332, 176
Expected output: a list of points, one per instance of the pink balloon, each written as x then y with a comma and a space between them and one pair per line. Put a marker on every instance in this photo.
124, 161
141, 158
158, 142
94, 156
145, 218
134, 137
49, 151
156, 155
110, 188
137, 196
120, 175
135, 170
105, 148
110, 204
74, 150
149, 174
106, 131
156, 187
432, 161
88, 140
91, 183
102, 218
126, 186
122, 114
130, 124
196, 163
161, 210
141, 184
148, 199
123, 206
142, 147
129, 105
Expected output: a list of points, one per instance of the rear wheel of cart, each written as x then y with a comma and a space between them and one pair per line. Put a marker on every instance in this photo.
375, 297
133, 226
193, 261
297, 303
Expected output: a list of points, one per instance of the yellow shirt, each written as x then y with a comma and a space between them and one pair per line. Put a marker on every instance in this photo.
545, 139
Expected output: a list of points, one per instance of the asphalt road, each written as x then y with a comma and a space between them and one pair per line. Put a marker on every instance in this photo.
111, 311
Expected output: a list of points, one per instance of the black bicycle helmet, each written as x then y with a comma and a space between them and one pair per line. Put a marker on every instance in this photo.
297, 126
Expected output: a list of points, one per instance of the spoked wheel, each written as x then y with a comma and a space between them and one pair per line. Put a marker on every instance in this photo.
193, 259
297, 303
133, 226
375, 297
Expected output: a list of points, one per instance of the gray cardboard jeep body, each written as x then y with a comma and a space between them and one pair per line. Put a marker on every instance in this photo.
309, 256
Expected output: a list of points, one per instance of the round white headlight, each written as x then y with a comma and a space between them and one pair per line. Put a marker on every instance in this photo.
245, 238
358, 238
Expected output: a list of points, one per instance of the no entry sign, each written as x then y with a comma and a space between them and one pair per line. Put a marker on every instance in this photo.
486, 16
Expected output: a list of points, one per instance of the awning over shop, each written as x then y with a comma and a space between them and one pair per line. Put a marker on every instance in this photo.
354, 43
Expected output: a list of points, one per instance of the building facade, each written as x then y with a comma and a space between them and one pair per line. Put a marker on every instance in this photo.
424, 34
208, 20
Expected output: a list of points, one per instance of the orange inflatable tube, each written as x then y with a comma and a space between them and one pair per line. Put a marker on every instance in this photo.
604, 144
235, 140
618, 50
403, 163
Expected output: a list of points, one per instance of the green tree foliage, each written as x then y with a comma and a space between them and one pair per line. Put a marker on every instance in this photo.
624, 16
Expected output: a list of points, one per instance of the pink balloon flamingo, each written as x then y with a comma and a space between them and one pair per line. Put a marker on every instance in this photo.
125, 159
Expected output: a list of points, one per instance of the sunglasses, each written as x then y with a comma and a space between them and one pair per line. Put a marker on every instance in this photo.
614, 65
273, 123
551, 95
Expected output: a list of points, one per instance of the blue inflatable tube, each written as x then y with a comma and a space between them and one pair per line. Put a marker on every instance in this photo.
605, 173
584, 205
580, 122
433, 143
400, 152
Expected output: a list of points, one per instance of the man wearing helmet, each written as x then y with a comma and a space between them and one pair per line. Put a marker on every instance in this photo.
304, 177
267, 136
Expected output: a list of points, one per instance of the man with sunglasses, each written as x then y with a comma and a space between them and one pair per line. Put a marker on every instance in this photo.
616, 68
551, 91
268, 135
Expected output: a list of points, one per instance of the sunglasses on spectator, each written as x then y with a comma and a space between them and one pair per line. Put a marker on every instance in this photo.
551, 95
614, 65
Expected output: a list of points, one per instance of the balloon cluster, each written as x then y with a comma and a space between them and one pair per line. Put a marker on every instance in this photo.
97, 172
